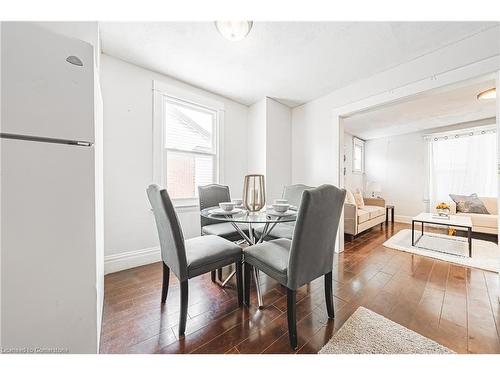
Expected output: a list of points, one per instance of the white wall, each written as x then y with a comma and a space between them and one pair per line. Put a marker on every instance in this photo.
399, 163
352, 181
314, 144
256, 137
130, 232
269, 144
314, 136
278, 148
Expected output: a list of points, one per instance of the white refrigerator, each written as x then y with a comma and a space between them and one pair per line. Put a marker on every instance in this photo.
51, 193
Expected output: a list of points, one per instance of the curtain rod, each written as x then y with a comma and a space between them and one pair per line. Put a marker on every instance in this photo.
462, 132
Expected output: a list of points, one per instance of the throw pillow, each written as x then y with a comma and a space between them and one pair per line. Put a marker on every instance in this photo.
349, 197
470, 204
359, 199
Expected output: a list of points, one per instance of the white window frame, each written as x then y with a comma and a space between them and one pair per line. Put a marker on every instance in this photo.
161, 94
429, 138
356, 142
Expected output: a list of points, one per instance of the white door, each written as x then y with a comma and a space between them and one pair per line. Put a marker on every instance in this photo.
48, 245
42, 94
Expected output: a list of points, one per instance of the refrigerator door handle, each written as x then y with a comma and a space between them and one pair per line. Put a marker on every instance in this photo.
45, 139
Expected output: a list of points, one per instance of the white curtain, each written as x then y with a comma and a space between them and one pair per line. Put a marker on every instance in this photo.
462, 164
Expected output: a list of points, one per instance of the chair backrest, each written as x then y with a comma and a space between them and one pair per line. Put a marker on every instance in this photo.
210, 196
313, 242
293, 193
173, 252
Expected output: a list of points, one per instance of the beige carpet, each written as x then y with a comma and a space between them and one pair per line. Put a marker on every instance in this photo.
485, 254
366, 332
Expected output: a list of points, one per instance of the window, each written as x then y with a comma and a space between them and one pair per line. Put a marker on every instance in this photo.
463, 163
188, 147
358, 155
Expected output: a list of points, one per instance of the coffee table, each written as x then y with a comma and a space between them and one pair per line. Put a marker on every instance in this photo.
450, 221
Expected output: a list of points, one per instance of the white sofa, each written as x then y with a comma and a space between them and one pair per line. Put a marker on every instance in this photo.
357, 220
482, 223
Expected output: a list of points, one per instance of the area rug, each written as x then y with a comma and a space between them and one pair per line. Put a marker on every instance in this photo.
366, 332
485, 254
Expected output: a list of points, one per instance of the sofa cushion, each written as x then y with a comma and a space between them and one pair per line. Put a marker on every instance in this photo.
374, 211
349, 197
363, 216
482, 220
491, 204
469, 204
358, 197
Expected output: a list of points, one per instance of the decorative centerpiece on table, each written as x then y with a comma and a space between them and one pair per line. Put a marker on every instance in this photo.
443, 209
254, 192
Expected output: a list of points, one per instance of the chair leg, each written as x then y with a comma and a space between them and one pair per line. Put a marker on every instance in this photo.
292, 317
212, 276
239, 282
246, 284
166, 278
184, 307
328, 295
219, 274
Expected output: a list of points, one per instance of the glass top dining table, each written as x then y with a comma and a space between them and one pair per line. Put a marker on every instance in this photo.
243, 219
267, 216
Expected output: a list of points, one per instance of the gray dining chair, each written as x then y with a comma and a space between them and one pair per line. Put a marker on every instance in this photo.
307, 256
292, 193
210, 196
192, 257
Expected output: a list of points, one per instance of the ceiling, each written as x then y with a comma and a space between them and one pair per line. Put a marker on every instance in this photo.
452, 105
293, 62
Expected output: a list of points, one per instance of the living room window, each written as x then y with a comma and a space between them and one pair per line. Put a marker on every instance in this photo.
358, 155
463, 162
186, 142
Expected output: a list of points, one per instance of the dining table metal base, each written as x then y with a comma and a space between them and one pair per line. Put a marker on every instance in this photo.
252, 239
268, 219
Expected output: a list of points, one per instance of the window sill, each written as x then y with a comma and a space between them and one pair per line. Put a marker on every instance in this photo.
186, 205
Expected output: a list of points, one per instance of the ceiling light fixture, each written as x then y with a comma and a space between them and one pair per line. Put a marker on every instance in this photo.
488, 94
234, 30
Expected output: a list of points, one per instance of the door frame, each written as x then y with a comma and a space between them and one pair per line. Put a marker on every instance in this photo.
457, 76
497, 85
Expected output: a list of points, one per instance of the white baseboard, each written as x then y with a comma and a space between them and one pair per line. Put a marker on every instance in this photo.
402, 219
131, 259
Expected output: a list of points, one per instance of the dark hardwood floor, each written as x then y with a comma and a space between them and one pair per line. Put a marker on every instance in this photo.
453, 305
